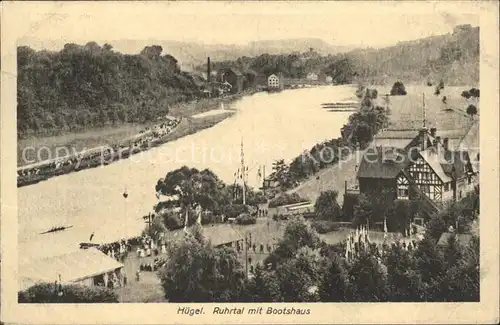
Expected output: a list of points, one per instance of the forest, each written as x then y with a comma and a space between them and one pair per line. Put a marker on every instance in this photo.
88, 86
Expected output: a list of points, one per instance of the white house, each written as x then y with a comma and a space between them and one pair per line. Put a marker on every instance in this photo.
312, 76
273, 81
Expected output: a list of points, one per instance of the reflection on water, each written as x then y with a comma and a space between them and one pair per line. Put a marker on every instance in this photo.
273, 126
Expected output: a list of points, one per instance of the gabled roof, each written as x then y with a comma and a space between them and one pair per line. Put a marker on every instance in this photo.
74, 266
233, 70
435, 158
376, 162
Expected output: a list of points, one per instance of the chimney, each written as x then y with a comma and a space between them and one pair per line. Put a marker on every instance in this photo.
445, 144
433, 132
422, 133
208, 70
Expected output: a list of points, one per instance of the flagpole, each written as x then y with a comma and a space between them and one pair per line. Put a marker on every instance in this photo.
243, 171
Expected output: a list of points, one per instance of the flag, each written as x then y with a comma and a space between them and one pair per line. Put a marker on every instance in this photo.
347, 247
199, 215
259, 172
385, 228
186, 222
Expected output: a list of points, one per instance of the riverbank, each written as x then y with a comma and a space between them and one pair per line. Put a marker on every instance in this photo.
36, 149
186, 126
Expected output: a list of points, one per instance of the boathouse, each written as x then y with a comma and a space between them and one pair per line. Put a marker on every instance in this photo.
89, 267
425, 169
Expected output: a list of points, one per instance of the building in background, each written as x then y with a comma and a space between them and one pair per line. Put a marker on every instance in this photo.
233, 77
273, 82
311, 76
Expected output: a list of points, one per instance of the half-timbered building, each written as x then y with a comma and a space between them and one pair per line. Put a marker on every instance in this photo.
425, 169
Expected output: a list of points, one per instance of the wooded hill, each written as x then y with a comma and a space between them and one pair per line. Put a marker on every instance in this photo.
93, 86
452, 57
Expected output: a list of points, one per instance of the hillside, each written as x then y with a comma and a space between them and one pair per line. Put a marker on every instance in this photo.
93, 86
451, 57
191, 54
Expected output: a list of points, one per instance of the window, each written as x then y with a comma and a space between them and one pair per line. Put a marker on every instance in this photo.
446, 187
403, 194
469, 180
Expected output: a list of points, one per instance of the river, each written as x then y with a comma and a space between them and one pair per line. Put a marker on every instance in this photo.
272, 126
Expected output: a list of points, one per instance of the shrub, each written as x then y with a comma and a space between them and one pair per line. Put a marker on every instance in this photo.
47, 293
246, 219
471, 110
234, 210
398, 89
474, 92
327, 207
324, 226
466, 94
172, 221
285, 199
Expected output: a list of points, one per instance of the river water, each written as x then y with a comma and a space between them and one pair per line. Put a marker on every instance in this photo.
272, 126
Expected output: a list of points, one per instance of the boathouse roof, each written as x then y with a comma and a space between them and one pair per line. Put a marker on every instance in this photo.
72, 267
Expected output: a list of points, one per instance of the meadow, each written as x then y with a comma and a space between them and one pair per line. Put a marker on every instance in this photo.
406, 112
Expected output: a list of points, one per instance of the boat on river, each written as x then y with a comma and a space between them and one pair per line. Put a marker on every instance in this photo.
56, 229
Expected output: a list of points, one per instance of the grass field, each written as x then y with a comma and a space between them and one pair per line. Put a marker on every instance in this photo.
406, 111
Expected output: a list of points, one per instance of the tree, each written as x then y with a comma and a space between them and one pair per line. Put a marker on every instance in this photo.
369, 279
466, 94
53, 293
298, 233
334, 284
398, 89
404, 282
263, 287
435, 227
157, 227
297, 276
193, 188
431, 268
471, 110
474, 92
399, 215
281, 174
327, 207
198, 272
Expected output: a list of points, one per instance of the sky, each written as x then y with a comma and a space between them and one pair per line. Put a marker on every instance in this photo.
355, 23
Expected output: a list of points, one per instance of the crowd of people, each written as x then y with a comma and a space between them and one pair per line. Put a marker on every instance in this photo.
96, 156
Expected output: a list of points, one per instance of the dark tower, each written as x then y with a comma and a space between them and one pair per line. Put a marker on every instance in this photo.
208, 70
